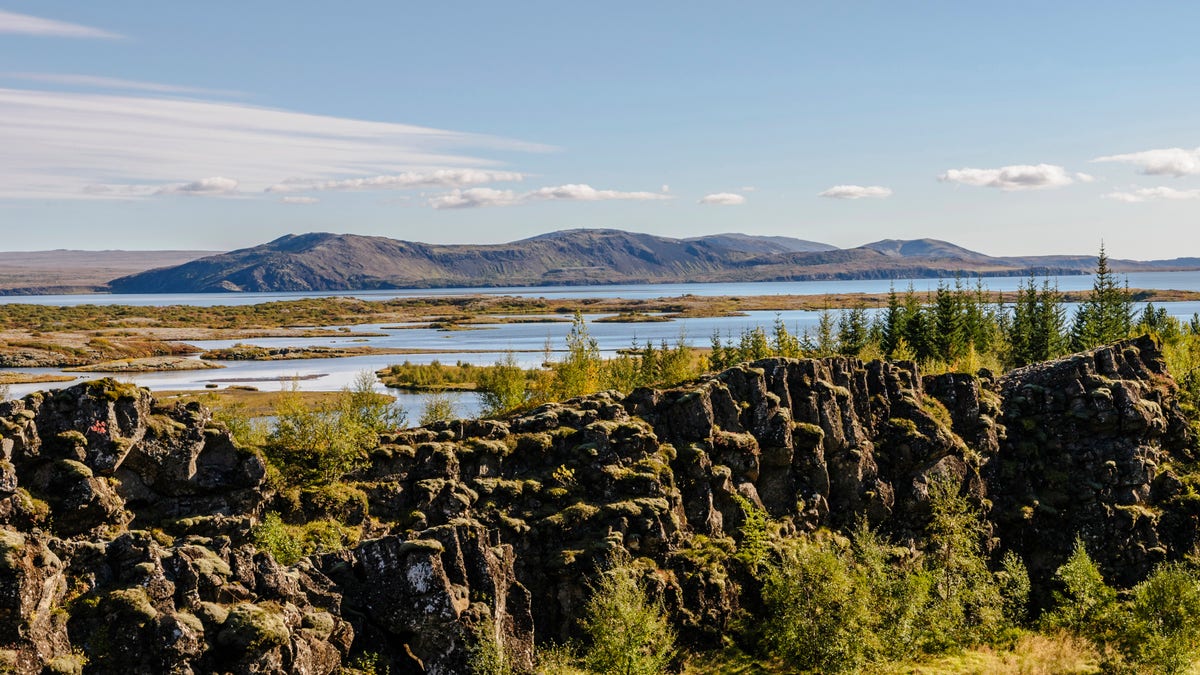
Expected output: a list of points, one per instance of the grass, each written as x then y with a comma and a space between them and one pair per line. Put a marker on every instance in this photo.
1031, 654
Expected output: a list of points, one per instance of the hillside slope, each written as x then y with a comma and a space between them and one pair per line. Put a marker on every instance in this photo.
343, 262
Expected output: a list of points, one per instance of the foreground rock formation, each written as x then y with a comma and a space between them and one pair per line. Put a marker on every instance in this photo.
126, 526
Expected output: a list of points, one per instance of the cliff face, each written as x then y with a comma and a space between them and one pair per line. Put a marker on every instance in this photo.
126, 525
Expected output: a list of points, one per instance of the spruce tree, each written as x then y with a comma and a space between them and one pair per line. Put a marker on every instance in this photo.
1107, 315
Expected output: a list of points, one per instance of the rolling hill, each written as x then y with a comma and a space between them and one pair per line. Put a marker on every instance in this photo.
340, 262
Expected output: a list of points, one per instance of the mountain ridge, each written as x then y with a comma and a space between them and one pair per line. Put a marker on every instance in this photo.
324, 261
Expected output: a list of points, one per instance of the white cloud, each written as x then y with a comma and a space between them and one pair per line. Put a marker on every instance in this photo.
217, 185
1016, 177
1085, 177
474, 198
65, 144
1162, 162
439, 178
856, 192
23, 24
479, 197
115, 83
576, 192
1154, 193
723, 199
299, 200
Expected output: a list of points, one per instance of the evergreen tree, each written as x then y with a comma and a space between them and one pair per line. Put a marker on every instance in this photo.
853, 330
891, 323
1107, 315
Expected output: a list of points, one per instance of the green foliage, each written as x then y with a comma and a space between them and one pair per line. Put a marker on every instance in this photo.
1107, 315
247, 431
628, 633
1013, 578
289, 543
755, 544
1037, 328
1154, 629
1083, 603
581, 370
321, 444
967, 606
504, 388
438, 407
1162, 629
487, 655
819, 615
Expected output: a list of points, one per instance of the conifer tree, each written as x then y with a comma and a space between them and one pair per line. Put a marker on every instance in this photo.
1107, 315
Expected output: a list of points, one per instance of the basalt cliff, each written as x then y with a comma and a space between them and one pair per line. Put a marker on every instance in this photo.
126, 540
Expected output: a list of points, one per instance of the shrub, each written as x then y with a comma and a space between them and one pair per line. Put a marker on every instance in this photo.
818, 615
629, 634
438, 407
1161, 627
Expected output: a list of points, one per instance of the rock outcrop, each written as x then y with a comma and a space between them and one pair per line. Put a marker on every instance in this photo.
126, 542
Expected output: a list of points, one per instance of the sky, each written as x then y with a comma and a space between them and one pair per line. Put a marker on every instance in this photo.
1014, 128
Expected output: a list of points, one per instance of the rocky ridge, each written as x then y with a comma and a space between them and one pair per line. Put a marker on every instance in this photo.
126, 525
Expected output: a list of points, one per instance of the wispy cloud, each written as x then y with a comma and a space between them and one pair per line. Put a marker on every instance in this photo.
857, 192
1162, 162
300, 200
65, 144
480, 197
24, 24
1153, 194
723, 199
1016, 177
409, 180
117, 84
217, 185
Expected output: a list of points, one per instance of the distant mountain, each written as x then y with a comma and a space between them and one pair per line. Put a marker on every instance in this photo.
924, 248
747, 243
338, 262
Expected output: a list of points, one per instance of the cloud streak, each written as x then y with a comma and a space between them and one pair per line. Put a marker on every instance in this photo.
116, 83
723, 199
12, 23
1154, 194
484, 197
409, 180
81, 145
857, 192
1009, 178
1161, 162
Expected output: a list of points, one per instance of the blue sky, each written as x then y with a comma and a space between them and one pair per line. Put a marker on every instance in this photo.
1014, 128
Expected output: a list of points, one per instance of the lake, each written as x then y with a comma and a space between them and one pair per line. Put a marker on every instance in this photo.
486, 344
1180, 281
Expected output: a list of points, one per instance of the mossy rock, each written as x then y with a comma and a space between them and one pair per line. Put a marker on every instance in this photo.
12, 544
254, 627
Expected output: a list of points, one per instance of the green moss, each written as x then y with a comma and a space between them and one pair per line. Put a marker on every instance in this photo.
132, 602
573, 515
212, 614
422, 545
254, 627
11, 545
67, 664
807, 436
320, 623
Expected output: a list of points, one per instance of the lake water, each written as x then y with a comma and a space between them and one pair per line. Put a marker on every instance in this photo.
1181, 281
487, 344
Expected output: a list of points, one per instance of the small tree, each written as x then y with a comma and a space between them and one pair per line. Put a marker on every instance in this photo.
580, 372
1107, 315
629, 633
504, 387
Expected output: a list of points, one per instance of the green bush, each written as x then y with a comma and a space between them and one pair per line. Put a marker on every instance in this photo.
819, 615
1162, 623
628, 633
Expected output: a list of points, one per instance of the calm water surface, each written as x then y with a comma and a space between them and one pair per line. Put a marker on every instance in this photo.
528, 340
